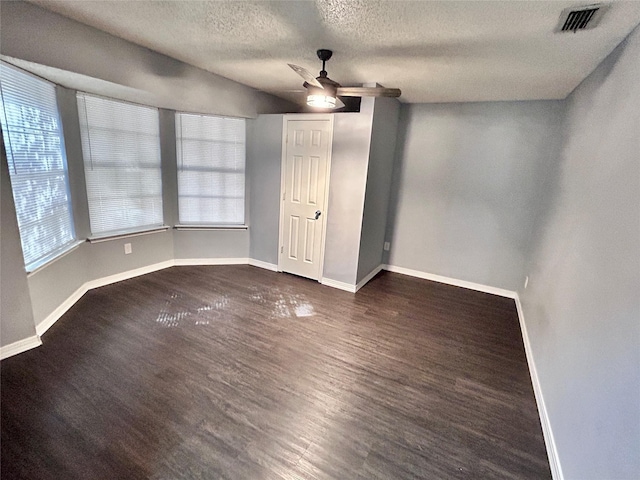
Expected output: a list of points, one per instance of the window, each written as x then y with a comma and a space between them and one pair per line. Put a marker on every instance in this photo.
121, 151
33, 140
211, 160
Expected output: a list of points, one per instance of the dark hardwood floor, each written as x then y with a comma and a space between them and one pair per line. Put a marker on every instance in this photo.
240, 373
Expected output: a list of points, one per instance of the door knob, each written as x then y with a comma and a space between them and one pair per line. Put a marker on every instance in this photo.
318, 213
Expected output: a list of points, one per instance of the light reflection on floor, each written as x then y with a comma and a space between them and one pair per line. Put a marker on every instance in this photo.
173, 315
285, 305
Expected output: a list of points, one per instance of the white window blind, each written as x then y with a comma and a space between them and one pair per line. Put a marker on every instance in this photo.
121, 150
211, 169
33, 140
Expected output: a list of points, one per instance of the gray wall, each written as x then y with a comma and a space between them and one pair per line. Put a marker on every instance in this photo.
264, 159
16, 318
582, 305
465, 180
349, 160
378, 187
211, 244
68, 110
53, 284
168, 157
33, 34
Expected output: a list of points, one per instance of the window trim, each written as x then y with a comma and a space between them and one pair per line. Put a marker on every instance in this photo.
195, 227
54, 257
127, 234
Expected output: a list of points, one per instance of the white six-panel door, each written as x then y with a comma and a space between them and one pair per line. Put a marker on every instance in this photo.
305, 178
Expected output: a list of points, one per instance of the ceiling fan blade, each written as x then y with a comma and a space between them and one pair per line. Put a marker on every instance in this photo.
308, 76
368, 92
339, 104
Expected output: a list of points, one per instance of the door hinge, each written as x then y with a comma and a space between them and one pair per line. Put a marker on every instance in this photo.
284, 194
282, 249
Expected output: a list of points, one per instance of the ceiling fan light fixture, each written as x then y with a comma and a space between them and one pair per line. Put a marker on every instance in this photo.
321, 97
321, 101
322, 92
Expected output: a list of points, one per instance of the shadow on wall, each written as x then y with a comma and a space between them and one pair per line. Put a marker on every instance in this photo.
396, 177
162, 66
547, 185
470, 181
554, 172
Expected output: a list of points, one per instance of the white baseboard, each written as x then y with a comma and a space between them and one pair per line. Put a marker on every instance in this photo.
19, 346
210, 261
53, 317
118, 277
347, 287
452, 281
547, 432
266, 265
369, 276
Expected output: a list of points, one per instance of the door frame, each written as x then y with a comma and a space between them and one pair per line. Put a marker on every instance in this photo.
305, 116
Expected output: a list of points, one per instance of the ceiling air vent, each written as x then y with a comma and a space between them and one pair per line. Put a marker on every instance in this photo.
581, 18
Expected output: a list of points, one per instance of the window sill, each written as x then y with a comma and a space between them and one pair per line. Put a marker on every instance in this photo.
45, 262
135, 233
211, 227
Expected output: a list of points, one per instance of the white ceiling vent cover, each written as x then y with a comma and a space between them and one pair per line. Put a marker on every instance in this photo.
581, 18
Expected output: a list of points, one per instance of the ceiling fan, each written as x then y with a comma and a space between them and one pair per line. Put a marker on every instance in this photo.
322, 92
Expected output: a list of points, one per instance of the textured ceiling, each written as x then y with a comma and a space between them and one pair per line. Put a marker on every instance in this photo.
435, 51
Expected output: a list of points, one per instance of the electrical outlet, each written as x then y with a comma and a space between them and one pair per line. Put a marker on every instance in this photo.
127, 248
387, 246
526, 281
